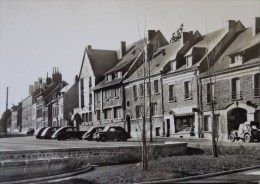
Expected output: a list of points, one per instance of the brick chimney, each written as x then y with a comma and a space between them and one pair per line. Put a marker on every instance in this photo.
123, 48
151, 34
231, 24
256, 26
56, 76
31, 89
186, 36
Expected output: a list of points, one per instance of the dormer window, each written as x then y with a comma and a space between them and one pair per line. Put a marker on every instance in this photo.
237, 59
189, 61
109, 77
173, 65
118, 74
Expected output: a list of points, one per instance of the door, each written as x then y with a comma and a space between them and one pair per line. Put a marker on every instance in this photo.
168, 128
128, 121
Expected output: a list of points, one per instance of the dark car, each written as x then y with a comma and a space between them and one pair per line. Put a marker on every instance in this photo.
112, 133
30, 131
48, 132
40, 132
64, 133
89, 134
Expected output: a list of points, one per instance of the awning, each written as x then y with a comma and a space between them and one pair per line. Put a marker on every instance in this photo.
185, 114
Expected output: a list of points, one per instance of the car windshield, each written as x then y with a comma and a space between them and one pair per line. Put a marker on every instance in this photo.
57, 131
106, 129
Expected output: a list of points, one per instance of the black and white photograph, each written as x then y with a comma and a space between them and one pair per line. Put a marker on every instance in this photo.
129, 91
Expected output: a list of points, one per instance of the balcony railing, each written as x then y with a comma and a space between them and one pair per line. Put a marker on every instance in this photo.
237, 95
257, 92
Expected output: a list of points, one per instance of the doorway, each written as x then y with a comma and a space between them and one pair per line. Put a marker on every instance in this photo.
235, 117
168, 127
128, 122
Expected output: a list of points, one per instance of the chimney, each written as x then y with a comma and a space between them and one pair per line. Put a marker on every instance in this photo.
36, 85
31, 89
89, 47
186, 36
151, 34
256, 26
123, 48
231, 24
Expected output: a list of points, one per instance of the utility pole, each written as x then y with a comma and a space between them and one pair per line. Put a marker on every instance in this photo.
6, 111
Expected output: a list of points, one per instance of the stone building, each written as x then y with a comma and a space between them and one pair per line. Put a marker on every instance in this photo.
94, 64
181, 85
234, 85
109, 98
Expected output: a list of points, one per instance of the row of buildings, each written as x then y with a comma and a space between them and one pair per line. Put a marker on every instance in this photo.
173, 85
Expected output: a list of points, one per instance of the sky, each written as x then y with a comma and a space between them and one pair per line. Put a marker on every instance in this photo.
37, 35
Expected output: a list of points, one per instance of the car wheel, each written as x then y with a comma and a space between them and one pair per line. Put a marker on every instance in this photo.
232, 138
103, 138
118, 139
247, 138
124, 138
97, 140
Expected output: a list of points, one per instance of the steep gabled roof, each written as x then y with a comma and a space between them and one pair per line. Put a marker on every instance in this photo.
104, 83
97, 58
242, 42
102, 60
131, 54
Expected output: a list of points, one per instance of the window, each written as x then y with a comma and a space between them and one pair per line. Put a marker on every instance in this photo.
235, 89
118, 74
106, 93
171, 93
39, 112
207, 123
107, 114
90, 116
82, 92
210, 92
134, 91
237, 59
117, 113
141, 90
84, 119
97, 96
90, 82
257, 85
187, 90
90, 99
138, 111
148, 88
154, 108
117, 92
173, 65
156, 87
98, 115
108, 77
189, 61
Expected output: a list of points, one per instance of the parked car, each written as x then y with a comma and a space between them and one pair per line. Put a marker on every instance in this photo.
247, 131
48, 132
40, 132
30, 131
89, 134
69, 132
37, 130
112, 133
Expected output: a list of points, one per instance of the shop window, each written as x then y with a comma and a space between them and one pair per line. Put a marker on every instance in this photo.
184, 123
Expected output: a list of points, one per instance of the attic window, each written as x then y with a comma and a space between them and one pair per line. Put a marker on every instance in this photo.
188, 61
109, 77
238, 59
173, 65
118, 74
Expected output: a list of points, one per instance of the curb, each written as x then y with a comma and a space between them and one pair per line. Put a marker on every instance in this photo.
202, 176
48, 178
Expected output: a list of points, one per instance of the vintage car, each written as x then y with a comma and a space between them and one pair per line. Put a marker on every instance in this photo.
247, 131
112, 133
68, 132
48, 132
89, 134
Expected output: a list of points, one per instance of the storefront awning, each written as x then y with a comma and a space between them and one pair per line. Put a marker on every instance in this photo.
185, 114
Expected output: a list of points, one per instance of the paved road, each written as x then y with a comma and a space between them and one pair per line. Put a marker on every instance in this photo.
252, 176
31, 143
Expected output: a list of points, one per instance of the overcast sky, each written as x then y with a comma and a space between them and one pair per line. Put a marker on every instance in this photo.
36, 35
